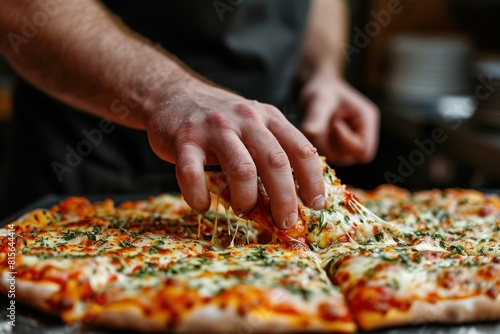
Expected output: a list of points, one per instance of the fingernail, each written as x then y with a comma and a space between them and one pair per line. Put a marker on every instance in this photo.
318, 202
291, 220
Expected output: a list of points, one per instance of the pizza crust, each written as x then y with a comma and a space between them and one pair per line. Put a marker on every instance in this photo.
475, 309
255, 322
129, 316
213, 319
35, 294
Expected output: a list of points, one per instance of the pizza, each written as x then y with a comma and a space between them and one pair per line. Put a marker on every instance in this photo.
368, 260
152, 265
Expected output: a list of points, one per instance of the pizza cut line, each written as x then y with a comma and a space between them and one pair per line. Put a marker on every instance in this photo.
398, 259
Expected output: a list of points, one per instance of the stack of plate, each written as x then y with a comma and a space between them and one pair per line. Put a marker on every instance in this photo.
424, 68
486, 92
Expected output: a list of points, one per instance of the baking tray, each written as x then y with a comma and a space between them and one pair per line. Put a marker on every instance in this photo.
31, 321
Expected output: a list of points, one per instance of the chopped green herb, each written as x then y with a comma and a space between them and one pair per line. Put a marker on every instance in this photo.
379, 236
304, 293
370, 272
437, 236
404, 258
457, 249
301, 264
68, 235
125, 244
154, 248
312, 227
134, 234
394, 284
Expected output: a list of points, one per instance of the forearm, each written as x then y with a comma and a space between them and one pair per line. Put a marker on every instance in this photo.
325, 39
339, 121
83, 56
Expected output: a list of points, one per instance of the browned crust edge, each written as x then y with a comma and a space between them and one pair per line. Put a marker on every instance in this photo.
206, 319
480, 308
213, 319
35, 294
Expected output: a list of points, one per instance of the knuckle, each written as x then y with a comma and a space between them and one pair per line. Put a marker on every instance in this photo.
186, 134
273, 112
288, 200
278, 159
246, 112
219, 120
188, 174
242, 171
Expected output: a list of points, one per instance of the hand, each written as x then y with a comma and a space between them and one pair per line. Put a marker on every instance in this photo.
339, 121
199, 124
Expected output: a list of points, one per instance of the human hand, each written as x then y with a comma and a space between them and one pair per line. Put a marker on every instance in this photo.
198, 124
341, 122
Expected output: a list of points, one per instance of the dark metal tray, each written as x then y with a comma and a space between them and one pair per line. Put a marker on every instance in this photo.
31, 321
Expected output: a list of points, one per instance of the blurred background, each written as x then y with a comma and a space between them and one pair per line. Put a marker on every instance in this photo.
433, 67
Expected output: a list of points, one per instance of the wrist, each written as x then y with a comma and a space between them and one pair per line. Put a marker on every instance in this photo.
326, 70
162, 85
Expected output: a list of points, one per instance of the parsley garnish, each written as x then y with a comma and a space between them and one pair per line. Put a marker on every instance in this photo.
379, 236
304, 293
312, 228
404, 258
457, 249
394, 284
125, 244
437, 236
154, 248
68, 235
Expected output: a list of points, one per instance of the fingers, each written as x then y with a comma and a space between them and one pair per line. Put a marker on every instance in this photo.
304, 160
348, 143
341, 122
275, 172
316, 123
364, 120
240, 139
191, 176
318, 116
238, 165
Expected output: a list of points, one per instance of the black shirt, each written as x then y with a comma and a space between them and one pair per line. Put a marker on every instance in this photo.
249, 46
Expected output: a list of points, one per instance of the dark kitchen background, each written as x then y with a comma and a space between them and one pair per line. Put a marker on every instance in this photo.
433, 67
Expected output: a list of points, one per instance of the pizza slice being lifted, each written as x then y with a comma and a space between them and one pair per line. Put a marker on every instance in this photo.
343, 219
